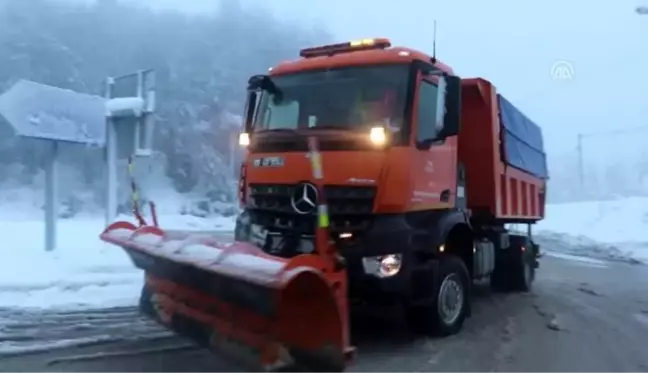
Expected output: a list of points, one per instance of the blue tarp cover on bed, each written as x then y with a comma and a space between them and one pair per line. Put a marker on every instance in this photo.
523, 146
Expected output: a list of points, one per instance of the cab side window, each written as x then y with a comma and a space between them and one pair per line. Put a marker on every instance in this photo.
427, 107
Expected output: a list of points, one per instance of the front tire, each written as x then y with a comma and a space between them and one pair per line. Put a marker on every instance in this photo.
445, 314
242, 228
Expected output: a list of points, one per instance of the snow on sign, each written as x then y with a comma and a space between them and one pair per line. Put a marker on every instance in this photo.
45, 112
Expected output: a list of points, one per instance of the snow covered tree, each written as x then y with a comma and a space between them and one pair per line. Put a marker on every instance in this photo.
202, 64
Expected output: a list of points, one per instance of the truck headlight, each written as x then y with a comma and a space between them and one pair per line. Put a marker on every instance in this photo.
383, 266
378, 135
244, 139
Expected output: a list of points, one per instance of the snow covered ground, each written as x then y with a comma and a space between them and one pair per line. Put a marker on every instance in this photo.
614, 229
86, 273
83, 272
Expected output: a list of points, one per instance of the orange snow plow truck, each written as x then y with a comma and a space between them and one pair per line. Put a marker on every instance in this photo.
373, 175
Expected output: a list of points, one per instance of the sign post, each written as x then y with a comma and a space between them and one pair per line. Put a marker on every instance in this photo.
130, 106
121, 122
111, 161
51, 197
54, 115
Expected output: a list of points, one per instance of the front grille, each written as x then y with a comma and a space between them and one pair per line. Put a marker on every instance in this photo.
350, 208
299, 143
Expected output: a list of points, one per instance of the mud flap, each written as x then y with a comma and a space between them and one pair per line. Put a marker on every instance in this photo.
265, 312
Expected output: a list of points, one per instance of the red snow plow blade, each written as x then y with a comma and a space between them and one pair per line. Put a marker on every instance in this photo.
264, 311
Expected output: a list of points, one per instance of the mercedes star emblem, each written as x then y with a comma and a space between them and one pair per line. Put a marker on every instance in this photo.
304, 198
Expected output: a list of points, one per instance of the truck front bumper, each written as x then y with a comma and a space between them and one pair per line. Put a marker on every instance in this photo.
389, 235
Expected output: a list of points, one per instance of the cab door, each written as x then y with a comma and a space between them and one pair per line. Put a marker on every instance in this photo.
434, 171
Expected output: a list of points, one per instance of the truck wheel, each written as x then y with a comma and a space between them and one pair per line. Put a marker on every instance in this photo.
515, 270
242, 228
524, 272
446, 313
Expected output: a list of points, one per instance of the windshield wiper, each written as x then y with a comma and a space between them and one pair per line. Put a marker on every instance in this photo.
330, 127
295, 130
291, 130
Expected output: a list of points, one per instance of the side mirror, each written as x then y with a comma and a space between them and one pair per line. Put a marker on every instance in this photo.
452, 104
262, 83
257, 85
256, 82
250, 109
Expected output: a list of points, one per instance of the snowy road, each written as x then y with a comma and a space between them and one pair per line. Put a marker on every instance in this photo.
584, 315
33, 331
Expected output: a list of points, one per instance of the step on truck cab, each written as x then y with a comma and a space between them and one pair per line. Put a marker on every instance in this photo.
423, 171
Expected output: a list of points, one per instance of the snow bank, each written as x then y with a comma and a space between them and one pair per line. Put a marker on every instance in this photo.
615, 229
582, 246
580, 259
83, 272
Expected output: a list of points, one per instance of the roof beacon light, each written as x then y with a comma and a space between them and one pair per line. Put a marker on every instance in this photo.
351, 46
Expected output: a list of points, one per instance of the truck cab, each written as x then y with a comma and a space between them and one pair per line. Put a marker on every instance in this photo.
386, 119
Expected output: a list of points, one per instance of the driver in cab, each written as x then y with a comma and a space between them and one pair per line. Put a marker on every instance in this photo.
377, 109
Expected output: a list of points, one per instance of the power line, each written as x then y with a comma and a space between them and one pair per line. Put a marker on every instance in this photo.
620, 131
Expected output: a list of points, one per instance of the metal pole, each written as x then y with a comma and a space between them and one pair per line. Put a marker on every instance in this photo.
139, 126
111, 162
581, 171
149, 117
232, 156
51, 202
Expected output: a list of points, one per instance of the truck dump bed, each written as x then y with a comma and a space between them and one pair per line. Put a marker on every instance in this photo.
503, 153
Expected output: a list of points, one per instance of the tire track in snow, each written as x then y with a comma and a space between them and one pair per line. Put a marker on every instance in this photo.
27, 331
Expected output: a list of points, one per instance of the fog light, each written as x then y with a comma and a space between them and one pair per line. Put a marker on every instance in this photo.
383, 266
390, 265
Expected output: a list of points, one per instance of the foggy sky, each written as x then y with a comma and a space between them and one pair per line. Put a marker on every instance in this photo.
513, 44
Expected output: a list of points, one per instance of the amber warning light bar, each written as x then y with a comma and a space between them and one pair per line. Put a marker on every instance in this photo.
351, 46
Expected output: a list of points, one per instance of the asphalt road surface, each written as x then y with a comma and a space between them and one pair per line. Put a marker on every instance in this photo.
581, 316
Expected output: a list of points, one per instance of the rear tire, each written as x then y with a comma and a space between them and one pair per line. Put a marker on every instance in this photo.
523, 273
447, 311
515, 268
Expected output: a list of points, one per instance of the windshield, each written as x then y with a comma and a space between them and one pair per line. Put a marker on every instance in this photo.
346, 98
